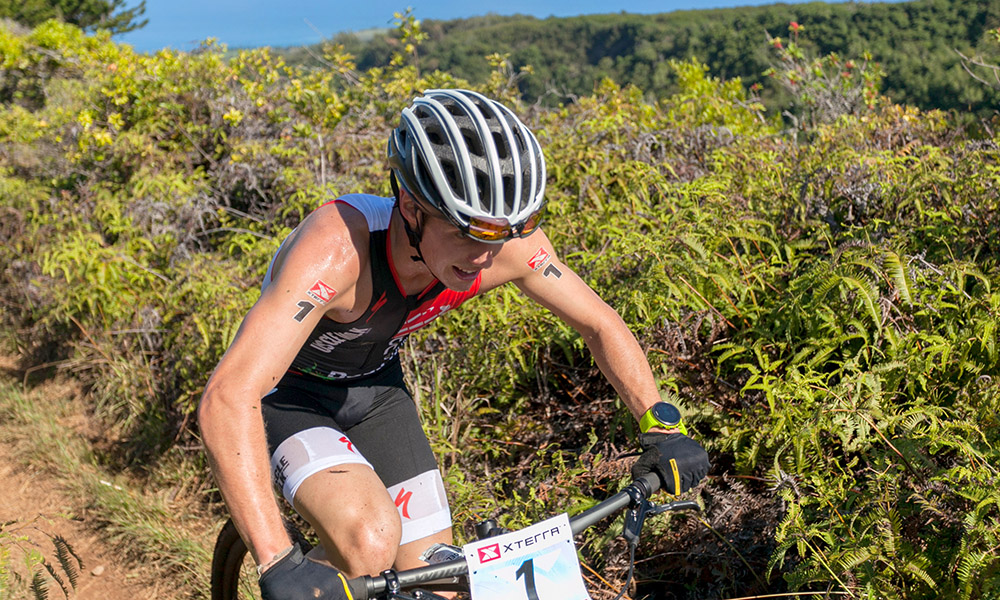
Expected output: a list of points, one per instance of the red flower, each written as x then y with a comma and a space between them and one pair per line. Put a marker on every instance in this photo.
794, 26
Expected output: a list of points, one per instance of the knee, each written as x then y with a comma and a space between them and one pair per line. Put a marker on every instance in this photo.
370, 543
378, 540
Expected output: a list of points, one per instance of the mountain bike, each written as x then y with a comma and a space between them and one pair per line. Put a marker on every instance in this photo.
234, 574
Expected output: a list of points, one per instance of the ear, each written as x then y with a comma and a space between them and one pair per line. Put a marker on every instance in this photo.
407, 206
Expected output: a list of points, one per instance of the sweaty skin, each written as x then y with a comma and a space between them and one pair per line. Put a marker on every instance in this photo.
348, 506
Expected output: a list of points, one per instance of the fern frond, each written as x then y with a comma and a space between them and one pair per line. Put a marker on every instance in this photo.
969, 568
853, 558
897, 271
828, 283
65, 552
55, 576
694, 244
918, 568
868, 294
38, 587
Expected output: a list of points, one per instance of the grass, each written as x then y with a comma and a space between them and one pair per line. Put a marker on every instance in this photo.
166, 539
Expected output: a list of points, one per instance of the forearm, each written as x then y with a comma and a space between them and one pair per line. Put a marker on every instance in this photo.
233, 434
623, 362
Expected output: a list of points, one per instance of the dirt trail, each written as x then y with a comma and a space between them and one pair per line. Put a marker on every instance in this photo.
35, 502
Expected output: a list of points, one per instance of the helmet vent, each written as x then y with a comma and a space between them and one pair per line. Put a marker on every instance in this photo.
501, 146
472, 143
508, 193
451, 175
482, 184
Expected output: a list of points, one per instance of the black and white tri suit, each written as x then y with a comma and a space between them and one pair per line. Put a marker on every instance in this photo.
343, 400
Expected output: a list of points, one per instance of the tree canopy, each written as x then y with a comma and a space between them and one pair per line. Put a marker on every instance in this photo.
916, 42
89, 15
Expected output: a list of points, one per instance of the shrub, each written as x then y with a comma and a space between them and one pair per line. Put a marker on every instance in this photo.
823, 306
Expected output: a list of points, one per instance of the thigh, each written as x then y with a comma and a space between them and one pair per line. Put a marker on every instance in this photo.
328, 481
303, 438
393, 441
354, 517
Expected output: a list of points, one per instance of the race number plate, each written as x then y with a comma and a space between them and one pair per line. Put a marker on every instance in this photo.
536, 563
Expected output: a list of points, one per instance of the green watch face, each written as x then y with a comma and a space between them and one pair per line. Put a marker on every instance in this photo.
666, 414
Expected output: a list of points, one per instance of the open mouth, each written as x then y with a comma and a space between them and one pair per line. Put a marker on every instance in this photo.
465, 275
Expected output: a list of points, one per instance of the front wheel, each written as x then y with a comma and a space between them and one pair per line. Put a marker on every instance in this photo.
234, 574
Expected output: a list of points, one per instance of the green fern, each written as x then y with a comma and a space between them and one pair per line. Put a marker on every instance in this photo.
896, 269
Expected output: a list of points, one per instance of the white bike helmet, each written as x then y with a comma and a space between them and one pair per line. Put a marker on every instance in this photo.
473, 160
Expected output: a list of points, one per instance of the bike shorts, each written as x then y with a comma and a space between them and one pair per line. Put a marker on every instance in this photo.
313, 425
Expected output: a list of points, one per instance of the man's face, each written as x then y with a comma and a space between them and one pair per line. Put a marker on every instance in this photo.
452, 256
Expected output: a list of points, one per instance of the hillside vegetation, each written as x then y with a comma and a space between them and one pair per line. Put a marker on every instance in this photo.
822, 301
918, 43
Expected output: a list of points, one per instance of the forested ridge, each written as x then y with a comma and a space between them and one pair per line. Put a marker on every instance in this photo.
915, 41
816, 285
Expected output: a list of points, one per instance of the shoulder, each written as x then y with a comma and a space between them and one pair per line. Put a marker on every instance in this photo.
376, 210
332, 242
520, 259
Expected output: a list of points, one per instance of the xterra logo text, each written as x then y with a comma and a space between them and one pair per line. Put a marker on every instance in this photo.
495, 551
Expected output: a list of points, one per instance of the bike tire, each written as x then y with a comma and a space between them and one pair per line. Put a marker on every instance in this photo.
233, 570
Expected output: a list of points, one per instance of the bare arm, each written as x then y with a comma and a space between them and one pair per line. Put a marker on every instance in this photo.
229, 414
532, 265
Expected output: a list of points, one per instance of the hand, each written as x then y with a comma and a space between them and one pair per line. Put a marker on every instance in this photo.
295, 577
676, 458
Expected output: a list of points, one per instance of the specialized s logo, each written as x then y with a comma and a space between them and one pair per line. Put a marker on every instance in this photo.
539, 259
403, 502
321, 292
489, 553
347, 442
378, 304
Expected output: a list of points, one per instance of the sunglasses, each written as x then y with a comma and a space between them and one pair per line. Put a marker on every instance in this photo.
493, 230
488, 229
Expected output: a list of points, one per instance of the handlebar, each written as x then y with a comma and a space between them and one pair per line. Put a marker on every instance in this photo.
640, 489
368, 587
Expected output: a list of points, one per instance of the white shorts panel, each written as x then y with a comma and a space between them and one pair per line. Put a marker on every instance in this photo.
308, 452
422, 505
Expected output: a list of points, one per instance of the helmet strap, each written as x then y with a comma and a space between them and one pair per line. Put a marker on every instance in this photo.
414, 235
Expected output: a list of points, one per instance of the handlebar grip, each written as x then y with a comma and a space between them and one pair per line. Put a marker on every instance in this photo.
650, 481
361, 588
644, 486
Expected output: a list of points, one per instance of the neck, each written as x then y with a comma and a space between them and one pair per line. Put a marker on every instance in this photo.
413, 275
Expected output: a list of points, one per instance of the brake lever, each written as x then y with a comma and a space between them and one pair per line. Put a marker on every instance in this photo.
635, 517
655, 509
417, 595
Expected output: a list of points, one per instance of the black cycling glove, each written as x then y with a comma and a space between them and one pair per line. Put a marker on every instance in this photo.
679, 461
295, 577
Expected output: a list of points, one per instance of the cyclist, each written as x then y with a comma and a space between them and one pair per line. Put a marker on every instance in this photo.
312, 380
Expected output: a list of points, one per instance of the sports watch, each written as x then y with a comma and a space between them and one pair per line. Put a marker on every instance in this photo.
662, 414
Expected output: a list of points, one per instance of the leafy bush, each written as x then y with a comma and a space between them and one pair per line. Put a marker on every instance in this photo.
823, 306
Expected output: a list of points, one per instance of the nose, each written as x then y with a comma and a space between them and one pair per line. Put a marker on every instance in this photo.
481, 254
